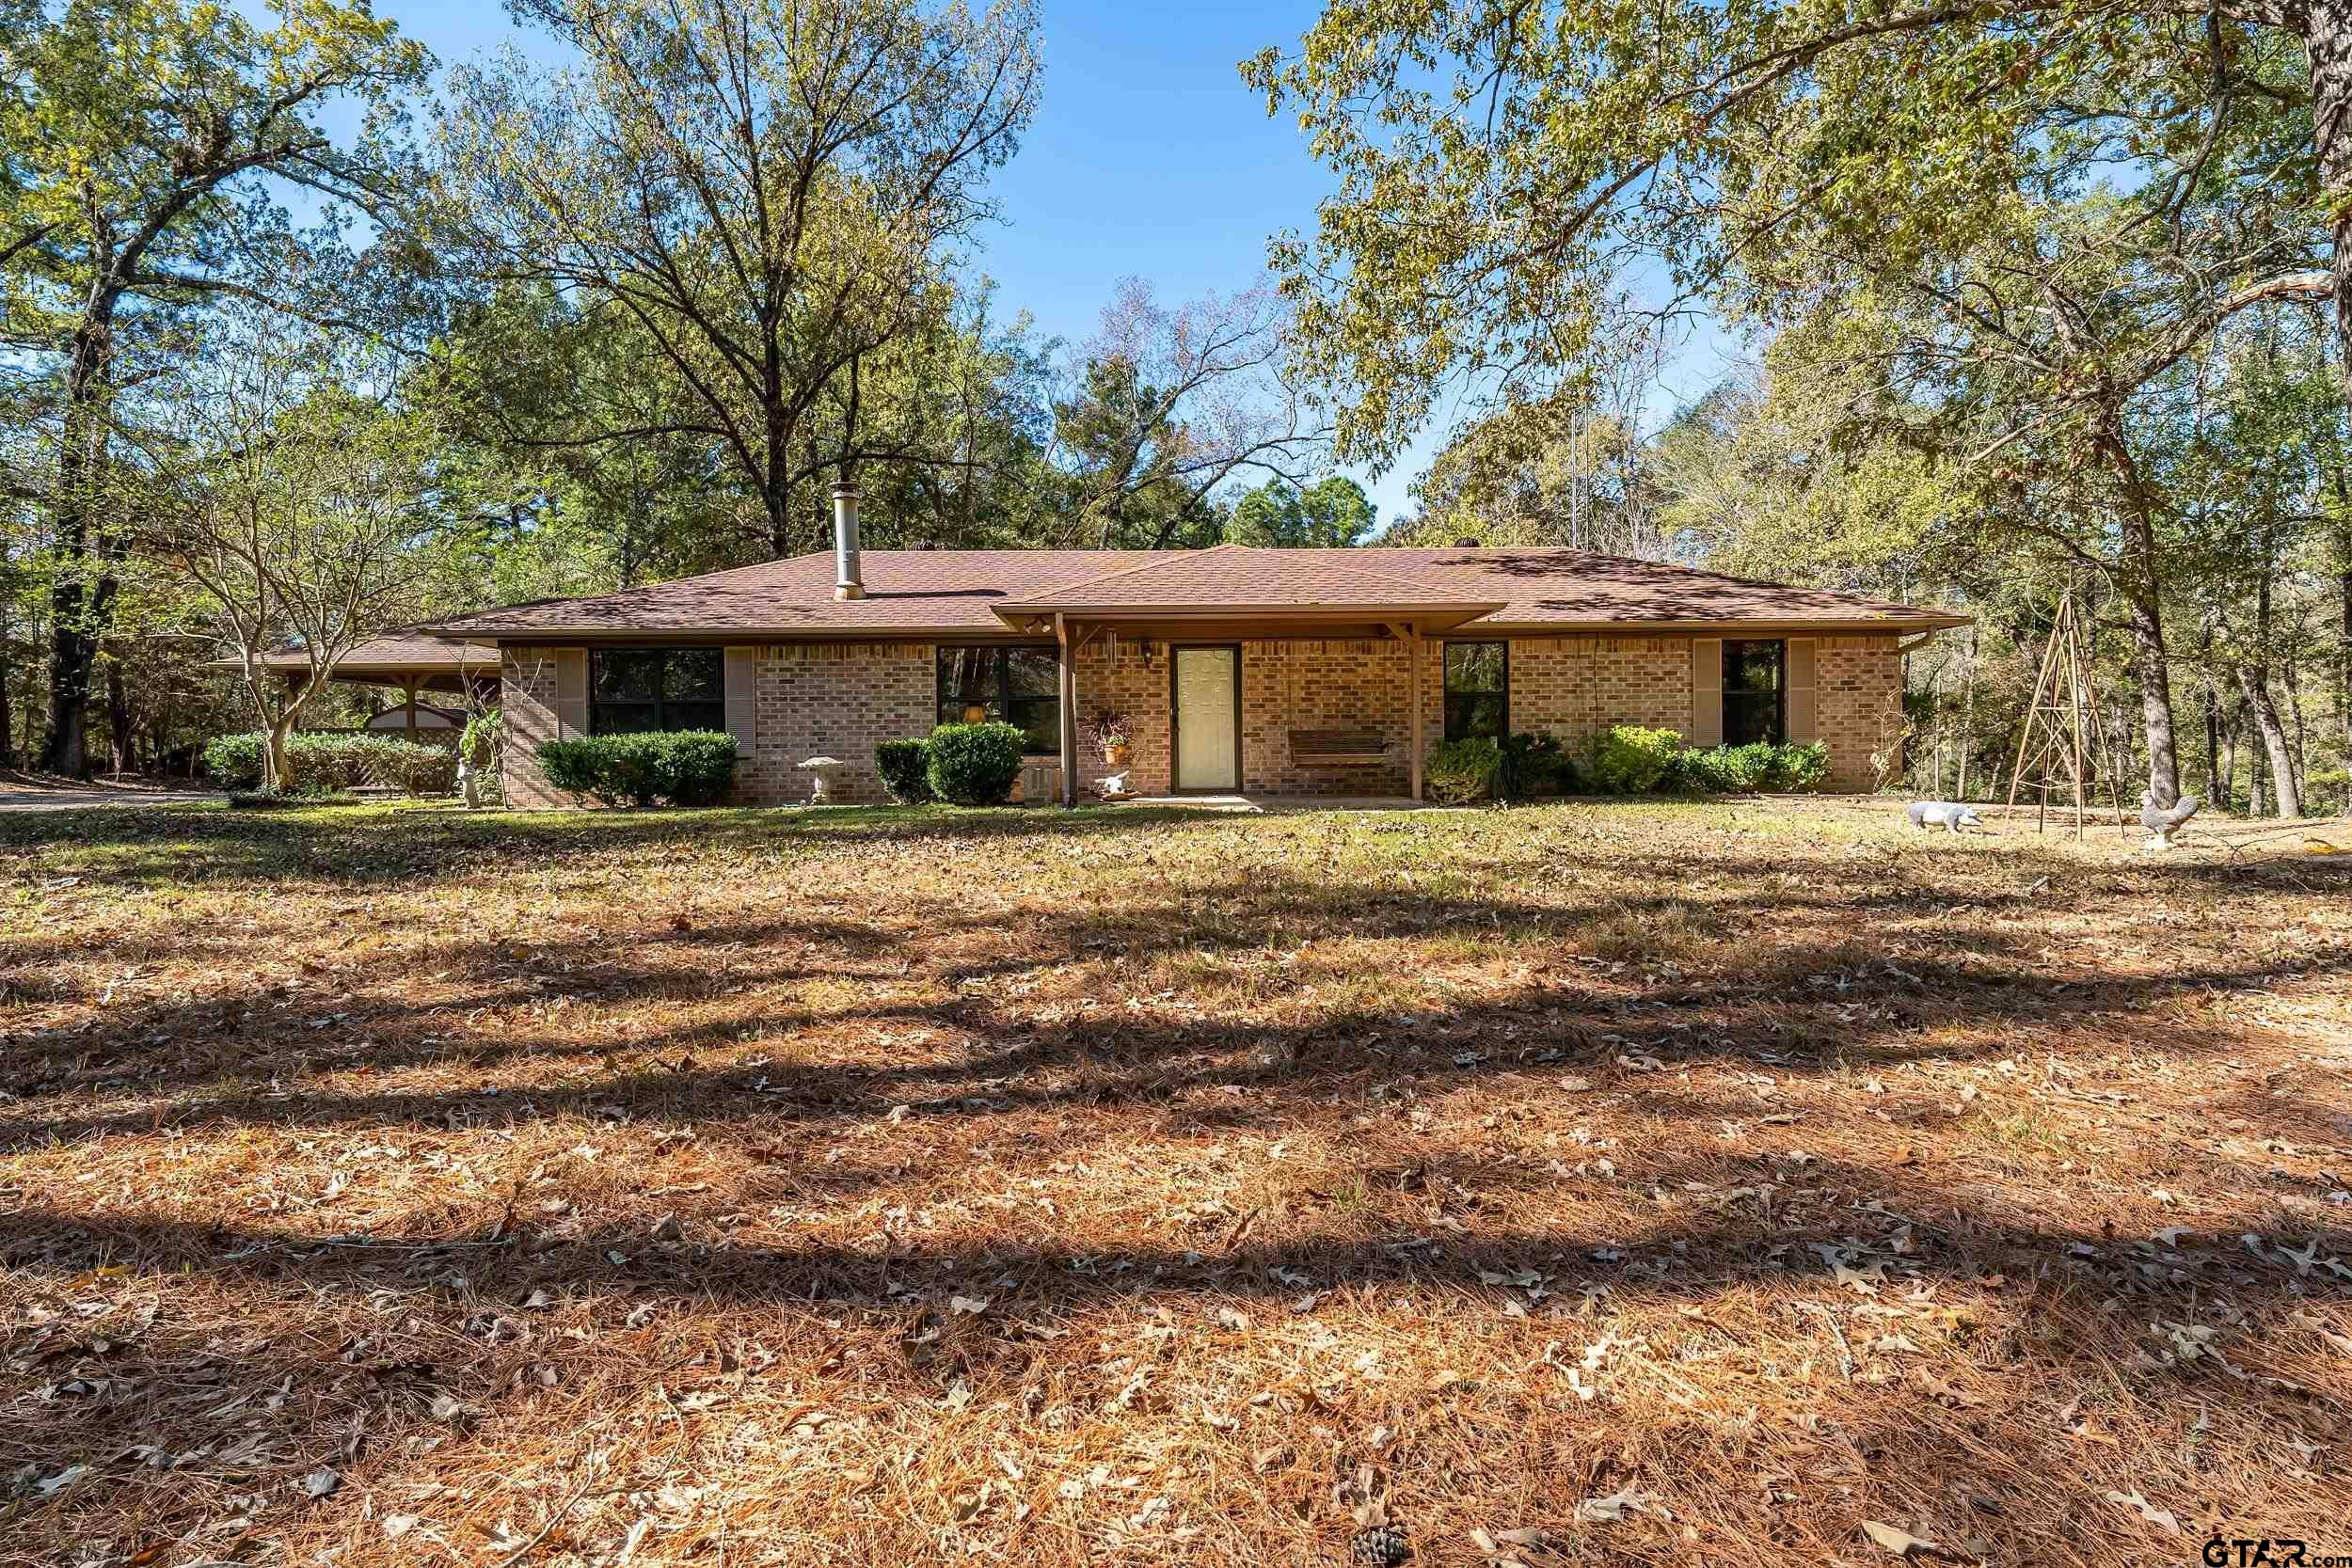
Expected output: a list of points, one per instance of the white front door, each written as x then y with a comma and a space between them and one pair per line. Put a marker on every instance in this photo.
1208, 718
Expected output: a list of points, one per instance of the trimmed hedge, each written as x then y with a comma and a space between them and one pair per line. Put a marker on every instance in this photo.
1628, 759
1460, 772
905, 768
323, 764
975, 765
1746, 770
677, 768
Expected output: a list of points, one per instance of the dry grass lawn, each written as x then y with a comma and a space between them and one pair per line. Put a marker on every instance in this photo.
1657, 1183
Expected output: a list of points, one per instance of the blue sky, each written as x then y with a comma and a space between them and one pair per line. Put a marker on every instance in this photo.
1148, 158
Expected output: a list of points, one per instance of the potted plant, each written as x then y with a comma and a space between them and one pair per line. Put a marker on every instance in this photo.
1111, 730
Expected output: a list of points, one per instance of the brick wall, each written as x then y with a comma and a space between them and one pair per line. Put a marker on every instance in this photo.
1860, 696
1323, 686
527, 703
1130, 677
844, 699
837, 700
1573, 688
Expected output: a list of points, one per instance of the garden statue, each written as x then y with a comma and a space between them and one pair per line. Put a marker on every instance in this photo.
820, 792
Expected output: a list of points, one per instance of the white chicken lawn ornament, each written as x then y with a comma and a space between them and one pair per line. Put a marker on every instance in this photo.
2162, 823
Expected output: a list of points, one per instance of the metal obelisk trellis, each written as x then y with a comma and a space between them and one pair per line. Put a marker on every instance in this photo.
2054, 754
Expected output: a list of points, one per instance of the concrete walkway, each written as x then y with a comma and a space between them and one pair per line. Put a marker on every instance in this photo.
1259, 804
82, 800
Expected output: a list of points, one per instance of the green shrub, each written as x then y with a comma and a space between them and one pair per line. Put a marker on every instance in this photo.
330, 764
681, 767
1798, 765
1720, 770
577, 768
234, 761
1459, 771
1536, 765
905, 768
1628, 759
975, 765
1745, 769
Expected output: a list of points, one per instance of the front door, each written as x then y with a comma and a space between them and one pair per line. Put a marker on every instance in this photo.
1208, 718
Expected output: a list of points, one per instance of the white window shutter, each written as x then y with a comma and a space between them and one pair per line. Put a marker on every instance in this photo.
742, 701
571, 692
1707, 691
1803, 697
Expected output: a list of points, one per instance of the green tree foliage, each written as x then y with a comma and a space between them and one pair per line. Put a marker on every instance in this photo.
765, 191
1941, 171
143, 147
295, 499
1330, 513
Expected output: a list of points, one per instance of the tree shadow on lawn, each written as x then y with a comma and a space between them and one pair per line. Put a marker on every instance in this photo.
827, 1114
1948, 1432
361, 847
1821, 996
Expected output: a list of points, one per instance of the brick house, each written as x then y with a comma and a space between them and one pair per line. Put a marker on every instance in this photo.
1239, 669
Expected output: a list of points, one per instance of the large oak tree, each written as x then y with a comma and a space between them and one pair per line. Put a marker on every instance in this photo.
145, 147
768, 191
1503, 166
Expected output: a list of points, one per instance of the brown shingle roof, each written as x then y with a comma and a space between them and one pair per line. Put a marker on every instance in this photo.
1554, 586
906, 590
413, 650
946, 593
1245, 578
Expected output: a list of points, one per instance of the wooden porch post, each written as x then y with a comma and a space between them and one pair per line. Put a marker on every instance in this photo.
1069, 712
1418, 676
409, 687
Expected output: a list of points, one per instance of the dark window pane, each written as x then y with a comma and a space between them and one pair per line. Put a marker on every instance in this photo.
1470, 716
626, 675
1752, 666
694, 716
1032, 672
1475, 666
1751, 716
625, 718
694, 675
1040, 722
974, 673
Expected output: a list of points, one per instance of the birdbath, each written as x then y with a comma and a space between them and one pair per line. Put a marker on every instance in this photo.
820, 792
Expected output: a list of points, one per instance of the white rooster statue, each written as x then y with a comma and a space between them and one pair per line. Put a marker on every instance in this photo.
2162, 823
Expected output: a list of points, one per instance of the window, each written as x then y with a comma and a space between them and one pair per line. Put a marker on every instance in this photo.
1477, 691
1020, 686
1753, 707
656, 688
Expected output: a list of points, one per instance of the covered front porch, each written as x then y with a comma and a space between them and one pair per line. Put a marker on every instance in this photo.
1322, 682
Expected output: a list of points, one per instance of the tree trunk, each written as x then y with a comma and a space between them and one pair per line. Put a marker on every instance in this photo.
2254, 682
8, 697
276, 776
2139, 582
2344, 660
83, 595
2327, 47
118, 717
2214, 790
1967, 714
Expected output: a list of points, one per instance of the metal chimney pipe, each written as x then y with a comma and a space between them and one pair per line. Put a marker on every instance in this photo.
848, 582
